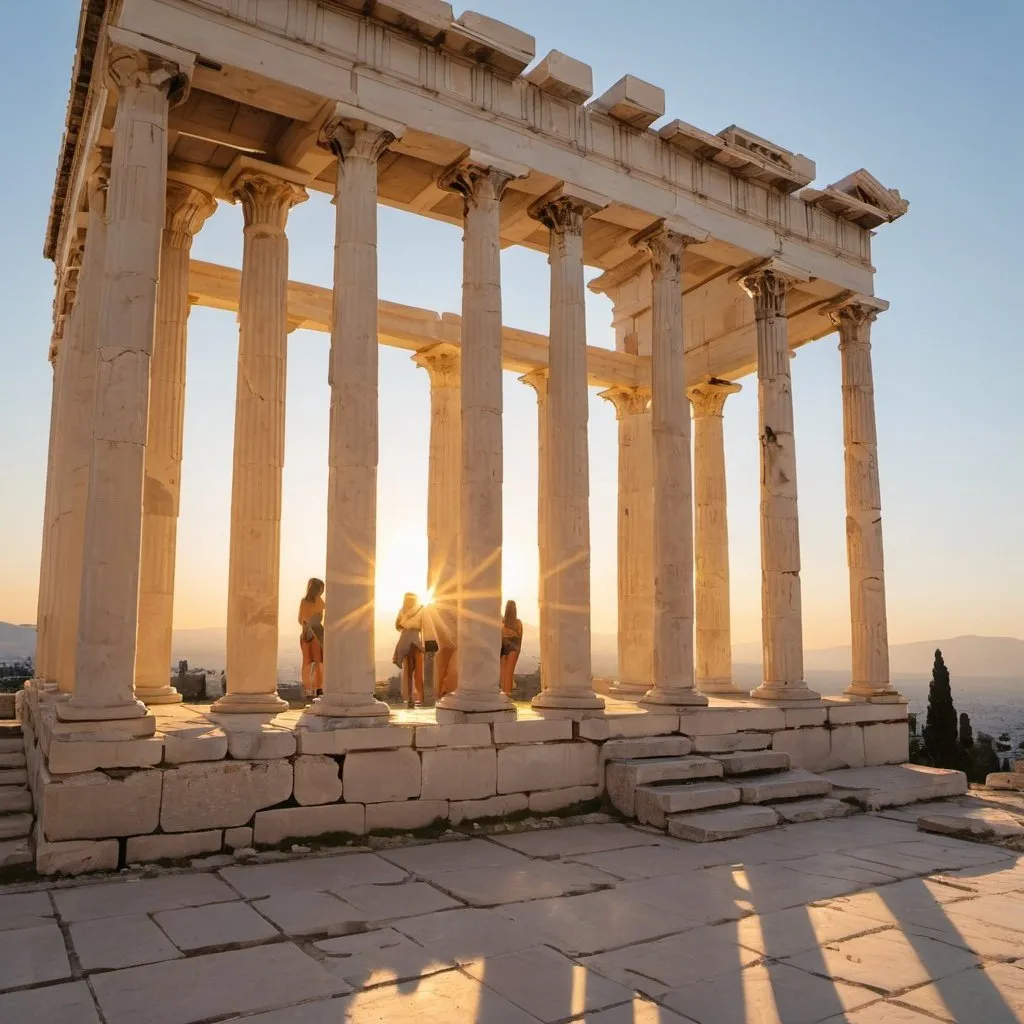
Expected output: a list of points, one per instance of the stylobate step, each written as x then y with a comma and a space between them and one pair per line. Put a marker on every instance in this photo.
622, 777
724, 823
655, 803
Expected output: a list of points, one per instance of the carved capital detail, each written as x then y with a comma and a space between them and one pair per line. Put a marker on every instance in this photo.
443, 362
185, 212
130, 68
349, 141
665, 248
563, 214
627, 401
476, 182
266, 200
768, 288
708, 397
852, 317
538, 380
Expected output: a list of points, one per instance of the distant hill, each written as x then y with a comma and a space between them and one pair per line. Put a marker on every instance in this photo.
968, 657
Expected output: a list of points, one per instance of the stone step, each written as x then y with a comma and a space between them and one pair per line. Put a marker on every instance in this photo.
731, 742
12, 745
10, 728
893, 785
14, 852
1005, 780
13, 776
622, 777
815, 809
655, 803
13, 826
724, 823
13, 760
646, 746
15, 798
745, 762
791, 785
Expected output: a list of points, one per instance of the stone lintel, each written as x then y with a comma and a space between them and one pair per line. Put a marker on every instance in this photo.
184, 59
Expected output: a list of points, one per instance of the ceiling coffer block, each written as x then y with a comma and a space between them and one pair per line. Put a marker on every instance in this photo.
760, 160
632, 101
491, 42
563, 76
859, 197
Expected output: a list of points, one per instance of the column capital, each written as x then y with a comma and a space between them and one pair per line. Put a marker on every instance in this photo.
628, 401
443, 362
564, 209
134, 61
478, 176
348, 132
665, 247
185, 211
538, 380
768, 284
708, 397
266, 199
851, 311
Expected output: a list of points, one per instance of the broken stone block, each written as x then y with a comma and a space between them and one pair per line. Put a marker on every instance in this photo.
405, 815
273, 827
725, 823
846, 747
982, 822
195, 743
69, 754
98, 805
221, 794
76, 857
459, 774
493, 807
731, 742
175, 846
317, 780
527, 767
381, 776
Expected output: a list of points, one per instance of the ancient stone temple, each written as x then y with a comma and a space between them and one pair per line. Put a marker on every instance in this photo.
720, 259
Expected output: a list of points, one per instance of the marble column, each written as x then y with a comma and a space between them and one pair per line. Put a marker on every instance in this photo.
108, 613
635, 542
186, 210
538, 380
863, 506
781, 623
78, 436
349, 656
673, 498
254, 560
47, 624
481, 186
442, 363
567, 508
711, 539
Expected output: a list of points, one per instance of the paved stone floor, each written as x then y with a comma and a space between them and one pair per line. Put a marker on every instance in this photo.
862, 919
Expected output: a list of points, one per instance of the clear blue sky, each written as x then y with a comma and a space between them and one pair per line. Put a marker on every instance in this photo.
927, 96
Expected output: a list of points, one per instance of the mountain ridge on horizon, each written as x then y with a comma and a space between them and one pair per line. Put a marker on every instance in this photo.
968, 655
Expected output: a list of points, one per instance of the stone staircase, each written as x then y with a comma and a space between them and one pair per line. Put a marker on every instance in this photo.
15, 798
708, 797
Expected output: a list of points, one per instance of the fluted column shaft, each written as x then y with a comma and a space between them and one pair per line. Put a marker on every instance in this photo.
254, 560
186, 210
711, 539
47, 626
570, 684
108, 613
480, 531
673, 497
349, 672
538, 380
78, 434
781, 616
869, 631
442, 362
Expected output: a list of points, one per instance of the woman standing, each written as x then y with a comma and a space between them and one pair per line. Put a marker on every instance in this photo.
511, 645
408, 654
311, 640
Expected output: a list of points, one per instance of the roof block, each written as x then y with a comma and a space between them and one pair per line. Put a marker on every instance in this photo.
632, 101
859, 197
694, 140
492, 42
563, 76
428, 19
756, 158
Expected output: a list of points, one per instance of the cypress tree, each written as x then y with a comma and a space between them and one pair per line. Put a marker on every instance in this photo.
966, 732
940, 729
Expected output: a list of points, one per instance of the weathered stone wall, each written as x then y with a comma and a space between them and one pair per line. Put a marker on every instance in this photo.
202, 788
